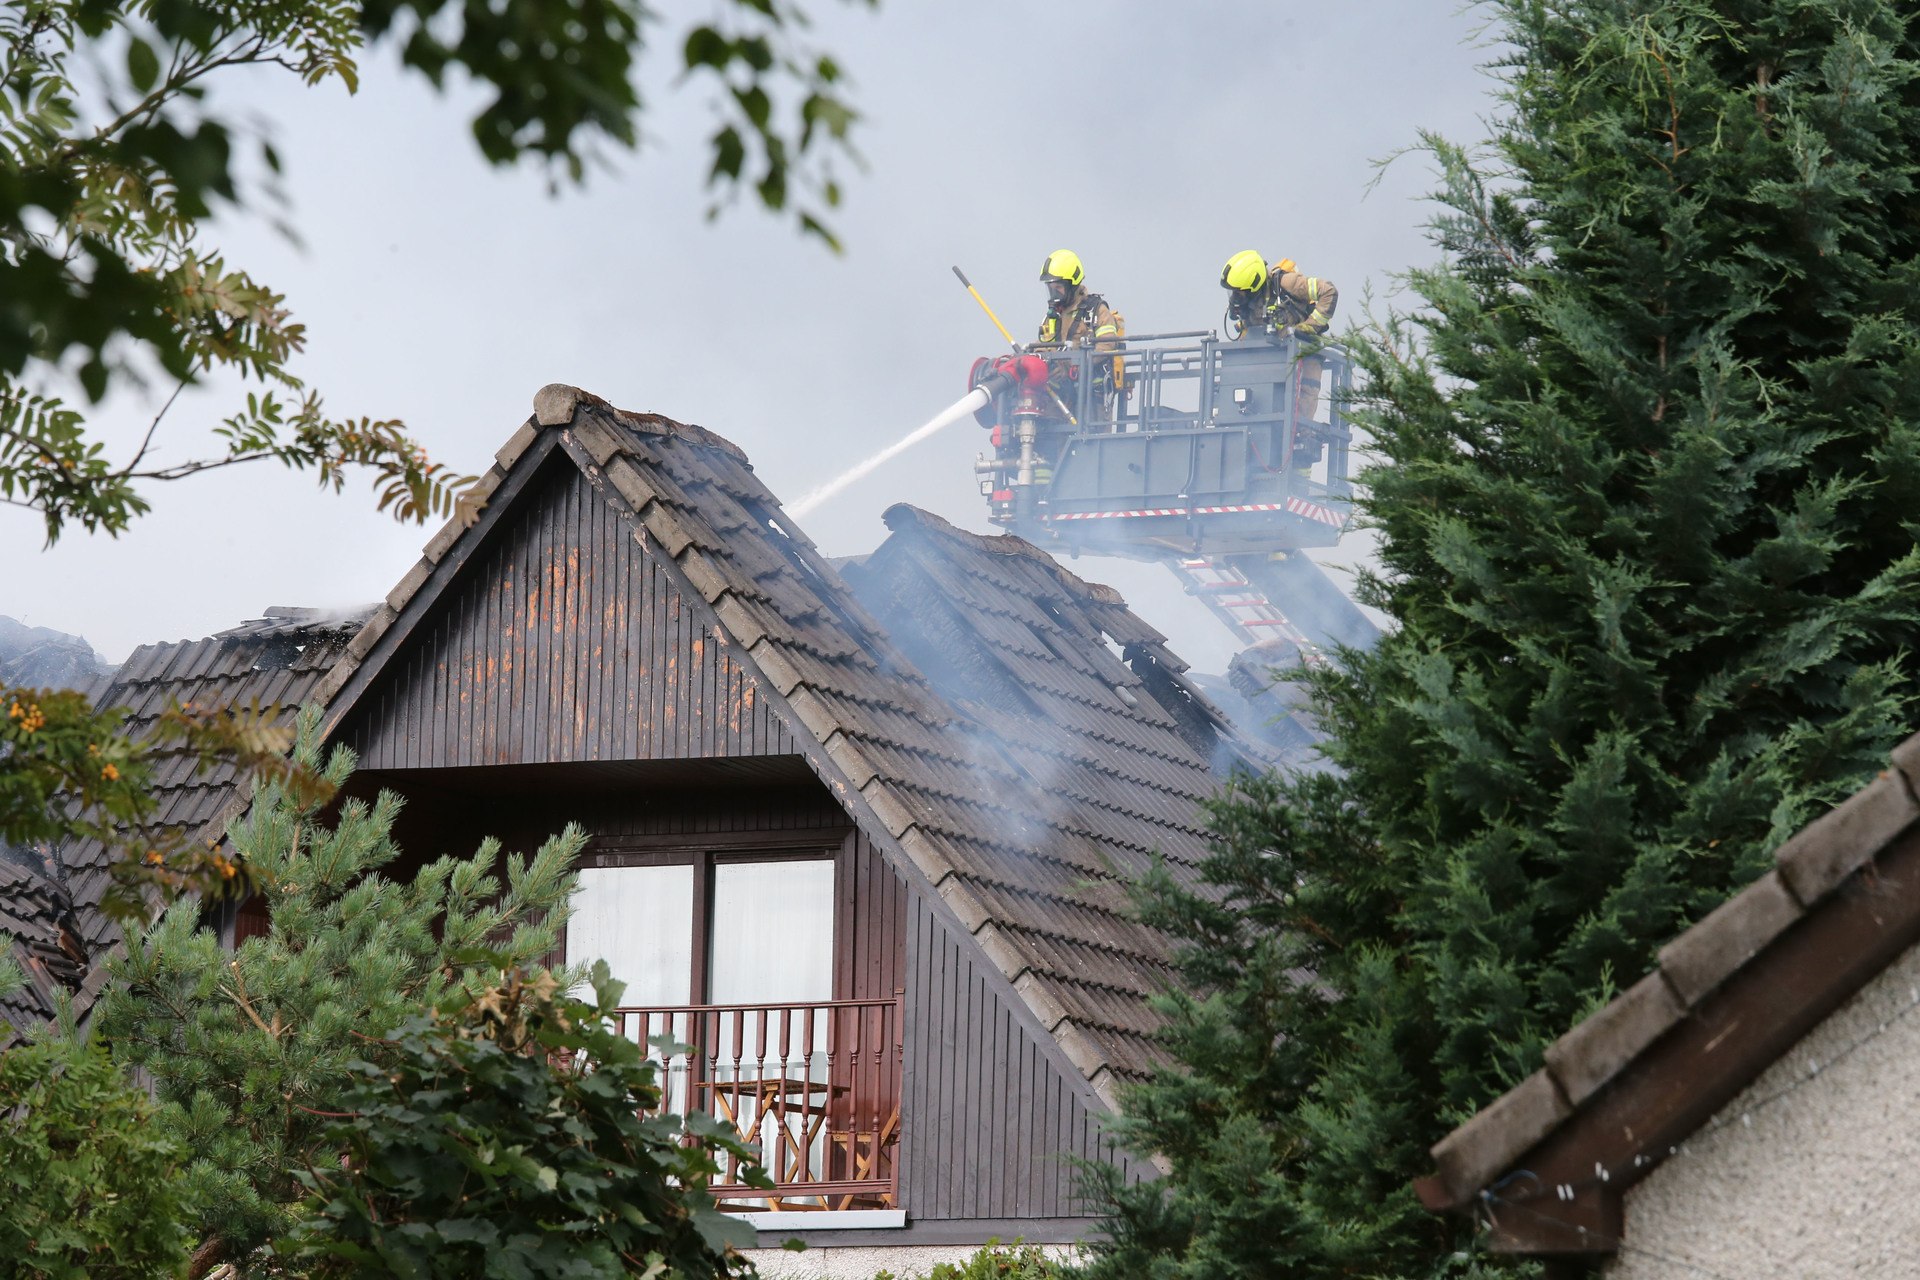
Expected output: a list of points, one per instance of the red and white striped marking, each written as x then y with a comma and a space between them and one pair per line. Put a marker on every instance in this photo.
1314, 511
1293, 506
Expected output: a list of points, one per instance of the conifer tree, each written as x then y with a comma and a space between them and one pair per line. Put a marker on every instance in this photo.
248, 1048
1649, 460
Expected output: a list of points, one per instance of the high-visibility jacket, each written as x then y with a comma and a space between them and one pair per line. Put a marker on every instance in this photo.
1302, 303
1086, 316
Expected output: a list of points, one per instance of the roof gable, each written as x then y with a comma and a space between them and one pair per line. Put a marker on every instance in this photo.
1017, 824
972, 812
561, 639
1809, 1171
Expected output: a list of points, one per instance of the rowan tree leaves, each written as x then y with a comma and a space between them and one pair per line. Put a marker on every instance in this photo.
108, 181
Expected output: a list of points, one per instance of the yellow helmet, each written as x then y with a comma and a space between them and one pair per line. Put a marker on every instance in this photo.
1063, 264
1245, 271
1285, 264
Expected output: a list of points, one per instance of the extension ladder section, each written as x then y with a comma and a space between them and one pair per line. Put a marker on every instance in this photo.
1220, 585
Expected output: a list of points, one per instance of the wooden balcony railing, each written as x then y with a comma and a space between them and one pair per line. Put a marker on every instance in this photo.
813, 1088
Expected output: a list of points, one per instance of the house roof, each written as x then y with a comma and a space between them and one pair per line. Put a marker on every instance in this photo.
1274, 709
1051, 750
1547, 1164
1117, 746
1021, 830
36, 915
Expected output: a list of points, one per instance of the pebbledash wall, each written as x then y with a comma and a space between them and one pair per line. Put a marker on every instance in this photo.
1812, 1172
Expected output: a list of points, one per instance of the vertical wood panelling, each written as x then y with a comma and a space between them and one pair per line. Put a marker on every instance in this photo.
873, 902
564, 640
990, 1122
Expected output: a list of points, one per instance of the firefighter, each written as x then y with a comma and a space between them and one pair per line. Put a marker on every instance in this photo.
1075, 317
1278, 300
1085, 315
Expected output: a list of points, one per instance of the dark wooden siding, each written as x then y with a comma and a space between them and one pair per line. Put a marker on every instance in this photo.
988, 1120
564, 640
873, 902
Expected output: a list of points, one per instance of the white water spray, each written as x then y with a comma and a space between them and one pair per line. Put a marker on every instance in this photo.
959, 409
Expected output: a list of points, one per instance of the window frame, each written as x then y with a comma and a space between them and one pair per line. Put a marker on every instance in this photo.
835, 845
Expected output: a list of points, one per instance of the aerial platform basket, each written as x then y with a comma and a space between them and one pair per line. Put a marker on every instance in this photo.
1211, 447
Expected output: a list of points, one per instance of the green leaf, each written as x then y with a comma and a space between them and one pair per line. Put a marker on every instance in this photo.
143, 65
705, 47
723, 1231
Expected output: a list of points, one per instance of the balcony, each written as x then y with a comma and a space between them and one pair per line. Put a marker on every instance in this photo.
813, 1088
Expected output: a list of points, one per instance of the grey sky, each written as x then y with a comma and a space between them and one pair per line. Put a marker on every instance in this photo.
1152, 138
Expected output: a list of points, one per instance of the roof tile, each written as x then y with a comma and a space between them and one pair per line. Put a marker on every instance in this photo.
1594, 1051
1478, 1151
1833, 846
1712, 951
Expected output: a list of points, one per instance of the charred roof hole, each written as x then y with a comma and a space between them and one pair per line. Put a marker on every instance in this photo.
279, 651
802, 557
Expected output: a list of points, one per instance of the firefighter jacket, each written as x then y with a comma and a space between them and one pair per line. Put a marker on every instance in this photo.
1087, 316
1301, 303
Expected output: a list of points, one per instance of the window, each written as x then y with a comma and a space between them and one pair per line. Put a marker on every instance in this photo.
640, 921
709, 928
771, 937
729, 956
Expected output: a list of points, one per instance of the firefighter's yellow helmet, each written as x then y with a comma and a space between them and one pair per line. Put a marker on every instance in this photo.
1063, 264
1245, 271
1285, 264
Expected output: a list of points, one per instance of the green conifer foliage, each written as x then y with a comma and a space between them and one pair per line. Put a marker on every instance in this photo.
248, 1047
1649, 461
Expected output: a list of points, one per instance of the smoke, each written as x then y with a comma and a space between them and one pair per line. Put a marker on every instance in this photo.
946, 417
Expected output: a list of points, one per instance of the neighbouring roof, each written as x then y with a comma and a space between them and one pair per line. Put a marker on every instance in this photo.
37, 917
272, 661
1547, 1164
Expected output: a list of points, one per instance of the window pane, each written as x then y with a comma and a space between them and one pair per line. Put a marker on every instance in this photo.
640, 921
772, 932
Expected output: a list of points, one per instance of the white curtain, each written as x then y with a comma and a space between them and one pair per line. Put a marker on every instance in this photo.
640, 921
772, 932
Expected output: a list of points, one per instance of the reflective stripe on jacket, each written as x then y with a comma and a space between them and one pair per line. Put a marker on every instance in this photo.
1301, 302
1088, 316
